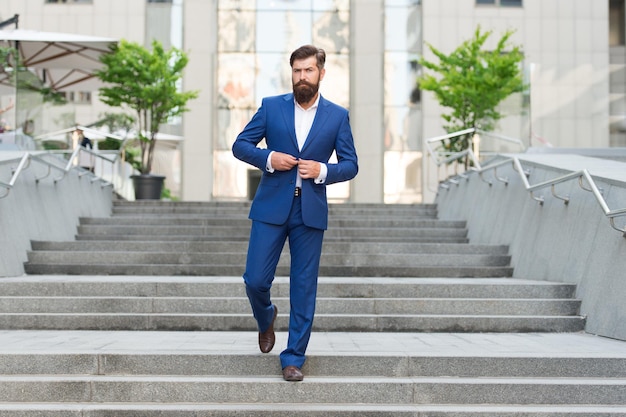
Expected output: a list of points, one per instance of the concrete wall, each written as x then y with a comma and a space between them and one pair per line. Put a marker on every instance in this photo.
44, 210
572, 243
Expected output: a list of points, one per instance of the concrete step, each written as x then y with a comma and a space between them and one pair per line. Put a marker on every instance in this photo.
316, 390
239, 258
367, 240
374, 364
328, 287
281, 270
188, 374
243, 221
218, 231
304, 410
231, 246
323, 322
243, 236
225, 208
235, 305
343, 305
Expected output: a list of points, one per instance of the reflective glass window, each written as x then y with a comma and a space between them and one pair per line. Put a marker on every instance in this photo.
331, 31
284, 5
402, 139
237, 4
255, 40
282, 30
331, 5
235, 32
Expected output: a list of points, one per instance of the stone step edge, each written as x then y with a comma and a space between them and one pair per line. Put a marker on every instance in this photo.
237, 279
250, 353
285, 298
322, 364
317, 315
315, 389
277, 379
311, 410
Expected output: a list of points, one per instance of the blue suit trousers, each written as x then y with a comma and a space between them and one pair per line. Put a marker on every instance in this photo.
264, 250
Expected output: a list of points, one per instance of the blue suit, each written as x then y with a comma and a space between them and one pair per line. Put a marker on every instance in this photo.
277, 214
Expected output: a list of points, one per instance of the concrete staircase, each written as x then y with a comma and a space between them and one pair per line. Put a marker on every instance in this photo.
211, 239
145, 315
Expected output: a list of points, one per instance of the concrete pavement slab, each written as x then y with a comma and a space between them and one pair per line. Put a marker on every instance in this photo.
322, 343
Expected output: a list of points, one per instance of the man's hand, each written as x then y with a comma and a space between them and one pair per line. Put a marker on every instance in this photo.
308, 169
283, 161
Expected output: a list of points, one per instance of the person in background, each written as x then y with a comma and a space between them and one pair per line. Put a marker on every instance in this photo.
85, 158
85, 142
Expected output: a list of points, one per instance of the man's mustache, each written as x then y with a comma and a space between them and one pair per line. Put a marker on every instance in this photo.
306, 83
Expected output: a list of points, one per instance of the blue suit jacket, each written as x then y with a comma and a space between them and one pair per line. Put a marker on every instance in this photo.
330, 132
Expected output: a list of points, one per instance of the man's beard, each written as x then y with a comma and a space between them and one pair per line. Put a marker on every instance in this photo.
304, 91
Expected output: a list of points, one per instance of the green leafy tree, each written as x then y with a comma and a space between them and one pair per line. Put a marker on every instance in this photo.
472, 81
147, 82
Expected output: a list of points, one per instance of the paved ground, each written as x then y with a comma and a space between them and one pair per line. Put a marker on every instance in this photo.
412, 344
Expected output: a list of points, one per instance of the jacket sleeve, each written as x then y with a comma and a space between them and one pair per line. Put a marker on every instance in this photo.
245, 146
346, 166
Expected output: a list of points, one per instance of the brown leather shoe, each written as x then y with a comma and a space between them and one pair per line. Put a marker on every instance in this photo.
268, 337
292, 373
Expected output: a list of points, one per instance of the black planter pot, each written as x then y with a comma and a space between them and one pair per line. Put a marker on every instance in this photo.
148, 186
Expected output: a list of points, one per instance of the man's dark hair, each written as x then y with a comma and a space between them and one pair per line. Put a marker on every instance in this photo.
307, 51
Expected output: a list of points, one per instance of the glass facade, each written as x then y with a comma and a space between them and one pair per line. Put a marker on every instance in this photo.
255, 40
402, 102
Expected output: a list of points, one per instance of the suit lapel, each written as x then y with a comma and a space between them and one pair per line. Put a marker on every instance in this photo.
288, 115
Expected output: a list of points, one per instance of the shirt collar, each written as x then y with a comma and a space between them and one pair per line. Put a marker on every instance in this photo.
314, 106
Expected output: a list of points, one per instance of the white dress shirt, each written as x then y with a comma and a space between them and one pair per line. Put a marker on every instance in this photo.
303, 120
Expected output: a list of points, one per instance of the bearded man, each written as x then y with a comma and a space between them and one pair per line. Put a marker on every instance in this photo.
301, 130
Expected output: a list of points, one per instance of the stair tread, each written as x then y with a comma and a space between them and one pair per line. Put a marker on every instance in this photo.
334, 380
320, 315
288, 408
553, 345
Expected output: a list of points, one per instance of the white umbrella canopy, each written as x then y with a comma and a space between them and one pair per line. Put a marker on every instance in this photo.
60, 60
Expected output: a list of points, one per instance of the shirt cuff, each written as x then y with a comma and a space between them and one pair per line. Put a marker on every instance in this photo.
321, 179
268, 163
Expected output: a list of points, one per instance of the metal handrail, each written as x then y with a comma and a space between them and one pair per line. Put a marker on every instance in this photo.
24, 162
16, 173
450, 157
581, 176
